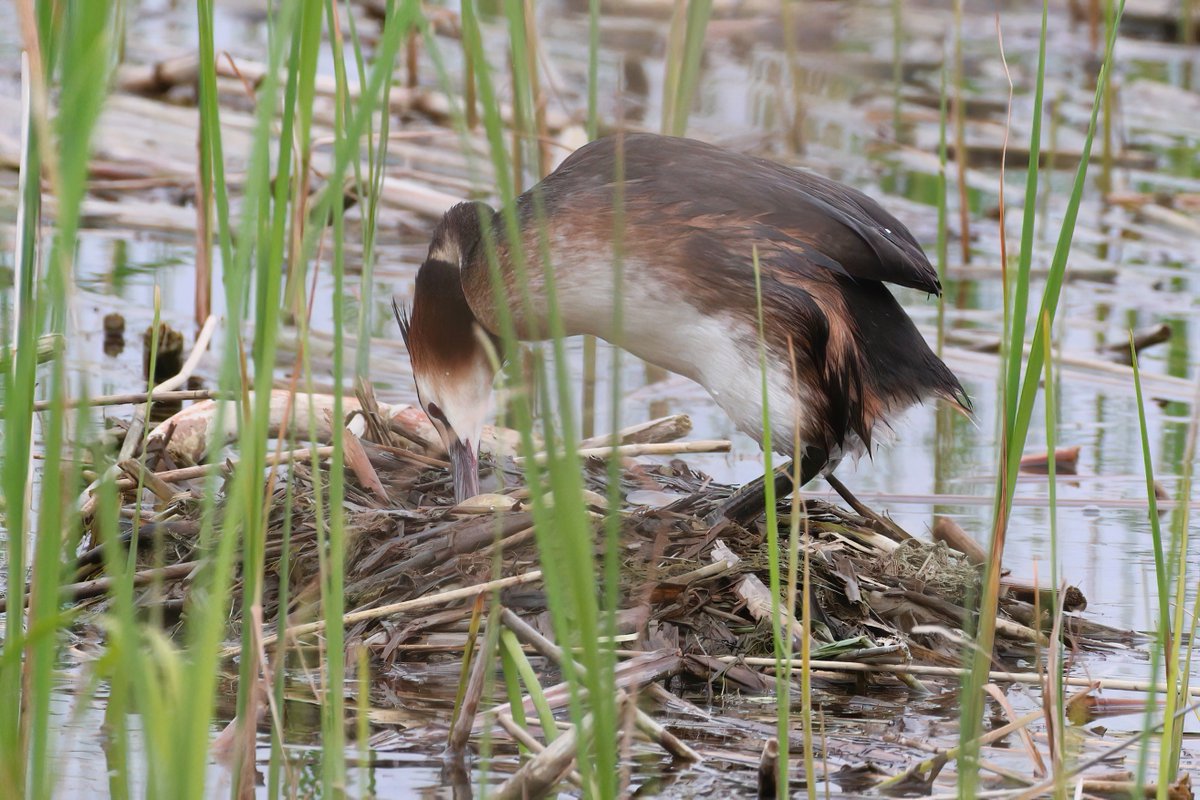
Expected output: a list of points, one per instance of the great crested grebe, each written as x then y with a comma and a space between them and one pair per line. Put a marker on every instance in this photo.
842, 355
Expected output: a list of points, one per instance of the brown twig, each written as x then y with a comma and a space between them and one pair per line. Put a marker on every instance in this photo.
538, 775
648, 726
464, 714
768, 770
98, 586
407, 606
528, 740
132, 398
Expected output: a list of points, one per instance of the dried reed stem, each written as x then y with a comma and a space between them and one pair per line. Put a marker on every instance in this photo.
416, 604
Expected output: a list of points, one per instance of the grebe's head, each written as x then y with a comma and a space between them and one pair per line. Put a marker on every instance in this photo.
450, 360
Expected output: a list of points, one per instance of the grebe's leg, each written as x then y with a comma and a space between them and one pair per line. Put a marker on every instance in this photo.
750, 500
887, 527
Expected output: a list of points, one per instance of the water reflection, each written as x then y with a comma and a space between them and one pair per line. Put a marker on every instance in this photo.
753, 97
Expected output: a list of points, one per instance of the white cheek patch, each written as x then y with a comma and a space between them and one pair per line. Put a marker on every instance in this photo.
464, 398
446, 251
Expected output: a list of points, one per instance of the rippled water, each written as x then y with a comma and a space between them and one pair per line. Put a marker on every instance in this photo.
1103, 529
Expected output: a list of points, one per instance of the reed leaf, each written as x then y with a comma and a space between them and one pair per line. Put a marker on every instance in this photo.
1015, 435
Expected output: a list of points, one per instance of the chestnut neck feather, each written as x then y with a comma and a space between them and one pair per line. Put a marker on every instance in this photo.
441, 335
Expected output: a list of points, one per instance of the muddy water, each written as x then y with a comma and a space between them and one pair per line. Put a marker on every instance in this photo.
1142, 271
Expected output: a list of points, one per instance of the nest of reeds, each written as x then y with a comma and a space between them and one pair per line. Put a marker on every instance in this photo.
695, 607
686, 583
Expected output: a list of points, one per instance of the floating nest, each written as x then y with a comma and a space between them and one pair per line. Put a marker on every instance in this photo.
695, 607
685, 583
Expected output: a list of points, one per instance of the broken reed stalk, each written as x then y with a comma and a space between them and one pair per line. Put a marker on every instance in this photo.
133, 437
530, 741
193, 360
416, 604
133, 398
538, 775
143, 478
88, 500
1031, 678
646, 449
661, 429
952, 753
98, 586
768, 769
893, 530
464, 712
527, 634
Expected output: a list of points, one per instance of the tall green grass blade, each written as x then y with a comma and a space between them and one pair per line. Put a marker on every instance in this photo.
304, 73
512, 647
588, 415
1053, 288
350, 124
799, 508
698, 15
1016, 435
256, 266
778, 634
673, 66
1161, 571
897, 68
1055, 680
1178, 671
1020, 309
212, 155
564, 535
593, 105
1106, 141
1163, 640
377, 153
961, 155
612, 519
512, 689
86, 52
685, 47
267, 294
943, 237
20, 380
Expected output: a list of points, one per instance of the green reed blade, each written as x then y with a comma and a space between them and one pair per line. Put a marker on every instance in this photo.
1055, 680
564, 534
688, 76
525, 670
1016, 435
1020, 310
85, 49
778, 634
20, 381
943, 237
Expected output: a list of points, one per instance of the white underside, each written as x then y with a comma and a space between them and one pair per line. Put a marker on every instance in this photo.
720, 352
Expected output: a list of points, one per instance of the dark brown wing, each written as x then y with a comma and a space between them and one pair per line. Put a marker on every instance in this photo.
842, 229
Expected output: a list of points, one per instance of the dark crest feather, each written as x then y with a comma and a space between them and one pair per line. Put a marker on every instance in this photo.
403, 318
